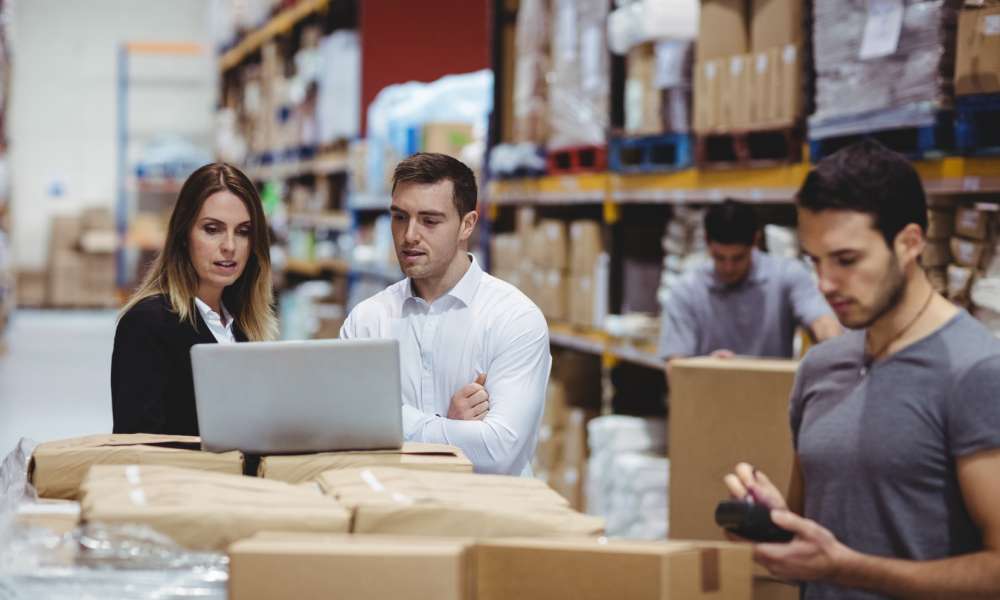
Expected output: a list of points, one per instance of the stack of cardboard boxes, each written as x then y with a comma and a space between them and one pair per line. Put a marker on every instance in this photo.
937, 252
658, 88
749, 74
971, 250
977, 60
81, 269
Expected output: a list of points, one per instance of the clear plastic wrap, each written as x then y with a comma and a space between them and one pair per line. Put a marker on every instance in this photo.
904, 88
608, 438
530, 68
579, 83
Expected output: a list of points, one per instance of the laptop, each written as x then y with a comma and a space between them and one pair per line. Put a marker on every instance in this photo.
298, 397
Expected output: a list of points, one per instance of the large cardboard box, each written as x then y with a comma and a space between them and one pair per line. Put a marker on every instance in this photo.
723, 29
969, 253
764, 86
205, 511
57, 468
723, 412
775, 23
600, 569
708, 84
790, 98
973, 223
349, 567
506, 253
402, 502
768, 588
738, 92
585, 246
569, 476
977, 60
549, 248
581, 291
643, 100
413, 455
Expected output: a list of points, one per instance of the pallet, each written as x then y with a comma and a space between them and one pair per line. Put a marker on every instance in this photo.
652, 153
977, 125
577, 159
751, 148
916, 143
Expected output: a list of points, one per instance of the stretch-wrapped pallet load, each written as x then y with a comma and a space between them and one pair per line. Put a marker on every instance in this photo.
530, 69
881, 65
579, 83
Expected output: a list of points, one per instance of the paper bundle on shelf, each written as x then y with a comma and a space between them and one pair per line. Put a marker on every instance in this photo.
627, 474
881, 69
579, 82
684, 247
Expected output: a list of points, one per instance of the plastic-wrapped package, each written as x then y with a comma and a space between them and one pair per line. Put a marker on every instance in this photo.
530, 68
579, 84
338, 107
639, 496
610, 436
781, 241
864, 85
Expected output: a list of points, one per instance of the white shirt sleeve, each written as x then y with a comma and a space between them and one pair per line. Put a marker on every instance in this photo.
515, 380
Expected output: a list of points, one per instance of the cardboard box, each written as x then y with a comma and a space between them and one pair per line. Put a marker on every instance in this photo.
413, 455
723, 412
968, 253
737, 92
723, 29
549, 248
580, 373
775, 23
65, 232
764, 86
593, 570
586, 243
404, 502
65, 278
59, 516
348, 567
57, 468
643, 101
205, 511
446, 138
570, 474
977, 57
581, 292
551, 289
790, 99
940, 224
936, 254
768, 588
506, 253
973, 223
708, 96
556, 405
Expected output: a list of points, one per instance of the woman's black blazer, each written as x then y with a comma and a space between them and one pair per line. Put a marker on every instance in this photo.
152, 390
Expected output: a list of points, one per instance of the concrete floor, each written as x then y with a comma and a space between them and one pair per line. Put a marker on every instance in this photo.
55, 375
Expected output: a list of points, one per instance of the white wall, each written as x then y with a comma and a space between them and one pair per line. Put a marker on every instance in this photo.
62, 120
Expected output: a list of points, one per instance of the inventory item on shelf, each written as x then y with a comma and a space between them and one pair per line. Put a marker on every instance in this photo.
81, 261
399, 501
881, 69
205, 511
579, 83
977, 60
628, 475
531, 67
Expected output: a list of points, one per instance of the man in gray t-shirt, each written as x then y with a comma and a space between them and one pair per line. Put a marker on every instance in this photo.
743, 301
896, 424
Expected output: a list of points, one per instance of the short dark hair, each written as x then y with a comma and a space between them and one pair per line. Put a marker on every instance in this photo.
867, 177
731, 222
431, 167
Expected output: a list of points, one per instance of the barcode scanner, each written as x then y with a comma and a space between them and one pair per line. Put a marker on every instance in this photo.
751, 521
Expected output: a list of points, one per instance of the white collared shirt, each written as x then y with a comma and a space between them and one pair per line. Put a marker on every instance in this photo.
222, 333
483, 325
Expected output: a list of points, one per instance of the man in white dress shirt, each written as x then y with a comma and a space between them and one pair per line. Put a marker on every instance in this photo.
474, 350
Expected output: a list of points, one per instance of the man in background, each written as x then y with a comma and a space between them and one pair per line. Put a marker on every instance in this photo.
744, 301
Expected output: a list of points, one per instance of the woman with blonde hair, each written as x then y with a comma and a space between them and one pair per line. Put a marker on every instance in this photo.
211, 283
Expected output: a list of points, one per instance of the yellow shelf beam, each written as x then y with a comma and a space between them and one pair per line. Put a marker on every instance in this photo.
610, 349
280, 24
951, 175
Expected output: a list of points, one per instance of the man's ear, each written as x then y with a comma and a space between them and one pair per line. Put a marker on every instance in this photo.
909, 243
468, 225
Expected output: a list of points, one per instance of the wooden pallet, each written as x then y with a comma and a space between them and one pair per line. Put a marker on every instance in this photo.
651, 153
917, 143
750, 148
577, 159
977, 125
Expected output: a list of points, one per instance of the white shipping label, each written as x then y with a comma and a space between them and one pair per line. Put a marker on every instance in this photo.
761, 64
882, 29
710, 70
991, 25
736, 65
790, 54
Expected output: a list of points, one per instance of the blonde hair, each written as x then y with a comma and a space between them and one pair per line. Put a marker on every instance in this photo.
250, 298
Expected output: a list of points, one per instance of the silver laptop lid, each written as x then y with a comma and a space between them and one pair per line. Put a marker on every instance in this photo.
296, 397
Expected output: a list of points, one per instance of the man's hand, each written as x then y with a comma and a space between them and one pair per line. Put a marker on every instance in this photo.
747, 482
471, 402
722, 353
813, 554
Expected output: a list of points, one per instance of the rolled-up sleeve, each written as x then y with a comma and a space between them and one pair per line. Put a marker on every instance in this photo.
503, 442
